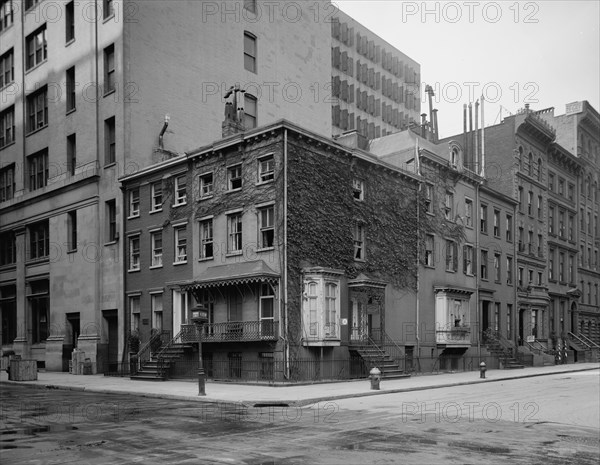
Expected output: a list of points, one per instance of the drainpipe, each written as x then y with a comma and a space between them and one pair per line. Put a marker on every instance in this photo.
417, 309
477, 272
286, 345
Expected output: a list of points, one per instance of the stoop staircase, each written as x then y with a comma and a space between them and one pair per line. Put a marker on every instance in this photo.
379, 354
502, 350
156, 357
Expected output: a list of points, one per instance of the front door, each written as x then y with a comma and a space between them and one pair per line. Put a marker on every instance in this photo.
112, 326
521, 323
485, 317
180, 310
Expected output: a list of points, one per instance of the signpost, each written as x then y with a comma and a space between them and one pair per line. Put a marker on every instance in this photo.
200, 317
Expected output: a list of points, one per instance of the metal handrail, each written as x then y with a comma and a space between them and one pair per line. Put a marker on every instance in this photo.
396, 353
187, 334
145, 352
587, 340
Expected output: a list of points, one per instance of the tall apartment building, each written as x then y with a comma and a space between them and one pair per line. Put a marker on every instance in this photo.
376, 87
84, 90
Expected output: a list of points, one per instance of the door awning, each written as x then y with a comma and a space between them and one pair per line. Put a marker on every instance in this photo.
229, 275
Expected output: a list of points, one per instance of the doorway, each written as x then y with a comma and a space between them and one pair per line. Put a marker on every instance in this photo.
112, 333
521, 323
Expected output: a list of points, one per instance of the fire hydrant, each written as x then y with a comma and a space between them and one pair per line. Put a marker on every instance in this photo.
482, 369
375, 376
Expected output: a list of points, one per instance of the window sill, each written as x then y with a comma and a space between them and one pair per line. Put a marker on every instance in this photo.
265, 249
37, 261
8, 266
200, 199
8, 145
469, 226
430, 213
113, 242
175, 205
135, 270
69, 42
72, 251
108, 18
71, 111
155, 267
152, 212
30, 133
233, 190
450, 271
180, 263
132, 217
237, 253
206, 259
261, 183
6, 86
111, 91
34, 67
110, 165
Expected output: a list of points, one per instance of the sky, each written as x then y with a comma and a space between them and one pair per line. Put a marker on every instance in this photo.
545, 53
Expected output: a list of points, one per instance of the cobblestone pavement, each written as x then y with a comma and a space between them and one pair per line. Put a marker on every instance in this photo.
548, 420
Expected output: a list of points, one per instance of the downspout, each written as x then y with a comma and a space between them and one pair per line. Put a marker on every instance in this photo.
417, 309
515, 277
97, 268
477, 272
286, 345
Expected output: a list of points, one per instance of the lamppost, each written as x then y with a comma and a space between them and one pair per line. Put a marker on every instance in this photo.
199, 317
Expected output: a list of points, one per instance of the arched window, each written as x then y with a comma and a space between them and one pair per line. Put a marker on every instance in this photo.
539, 169
520, 157
454, 156
588, 186
530, 164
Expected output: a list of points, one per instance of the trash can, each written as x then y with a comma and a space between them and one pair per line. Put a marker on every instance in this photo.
87, 367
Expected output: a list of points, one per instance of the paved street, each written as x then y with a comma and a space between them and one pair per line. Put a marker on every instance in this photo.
550, 419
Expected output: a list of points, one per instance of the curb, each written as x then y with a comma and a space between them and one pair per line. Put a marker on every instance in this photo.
290, 403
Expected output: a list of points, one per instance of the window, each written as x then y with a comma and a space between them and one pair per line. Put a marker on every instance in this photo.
134, 253
429, 245
134, 310
520, 275
570, 191
561, 223
521, 239
509, 313
509, 270
206, 185
250, 52
540, 203
428, 198
331, 302
109, 141
266, 169
468, 260
469, 212
483, 219
30, 4
571, 226
266, 306
157, 249
484, 264
496, 223
571, 269
180, 191
540, 248
449, 206
551, 264
451, 255
39, 240
530, 166
37, 165
156, 302
358, 189
7, 183
266, 227
36, 47
497, 267
234, 232
6, 14
250, 111
71, 154
72, 230
111, 219
234, 177
8, 303
551, 182
530, 203
108, 8
561, 267
38, 299
496, 316
250, 5
539, 169
530, 242
180, 233
8, 248
561, 186
37, 109
134, 202
7, 68
359, 241
7, 127
109, 69
520, 199
71, 89
206, 239
156, 192
70, 21
551, 220
509, 228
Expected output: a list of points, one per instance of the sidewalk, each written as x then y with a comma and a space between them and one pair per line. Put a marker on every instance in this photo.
291, 395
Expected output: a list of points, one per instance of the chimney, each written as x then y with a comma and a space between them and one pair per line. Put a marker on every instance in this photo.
234, 115
466, 145
476, 154
424, 125
435, 126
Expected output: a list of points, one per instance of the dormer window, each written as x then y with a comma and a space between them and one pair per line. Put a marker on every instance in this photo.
358, 189
454, 157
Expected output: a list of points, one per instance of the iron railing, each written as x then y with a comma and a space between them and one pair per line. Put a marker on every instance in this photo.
187, 335
158, 340
241, 331
387, 345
